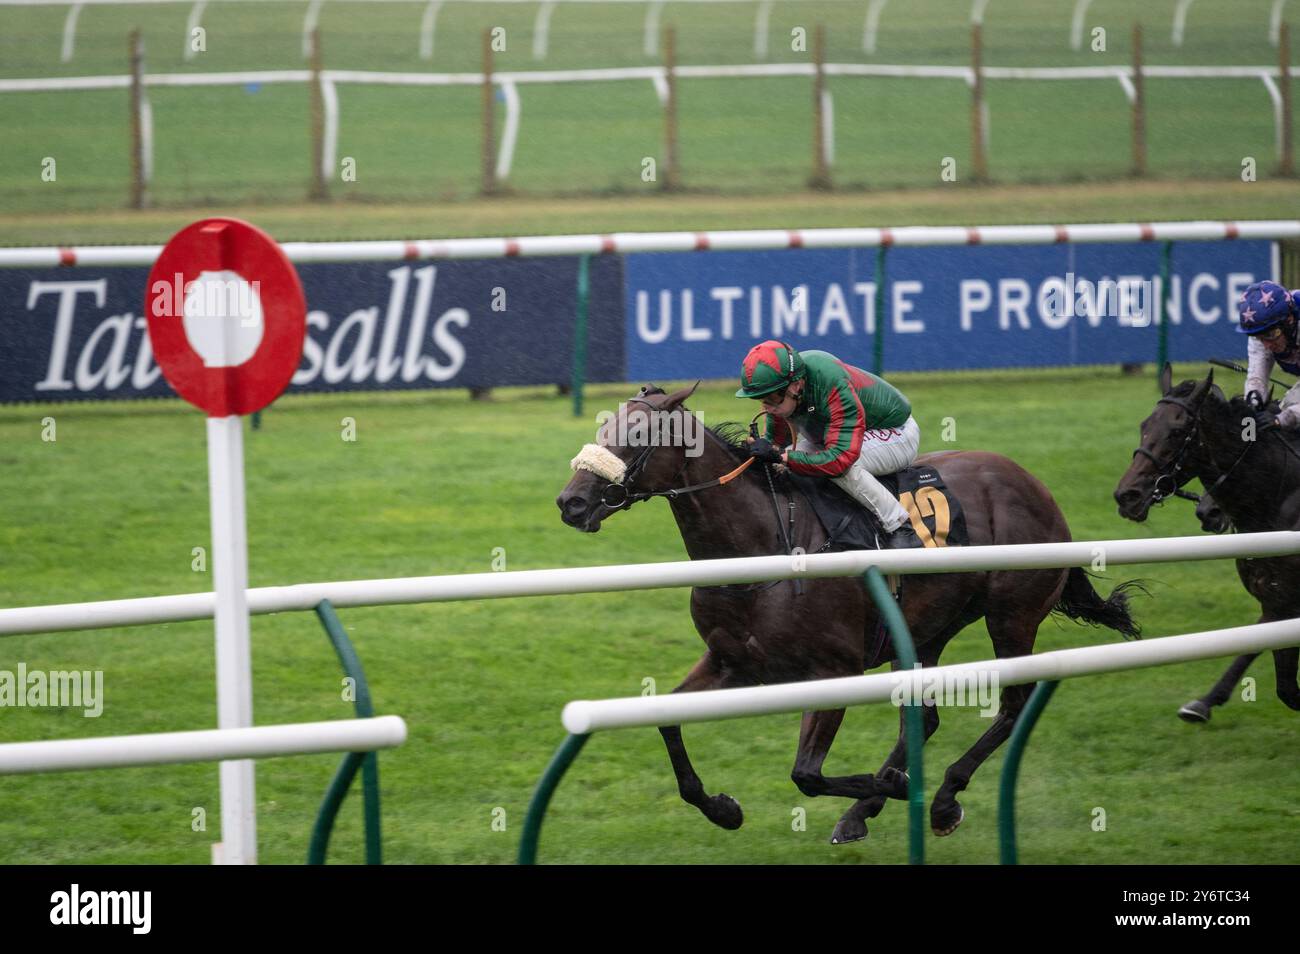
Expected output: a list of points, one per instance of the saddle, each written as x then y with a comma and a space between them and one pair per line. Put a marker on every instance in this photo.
937, 517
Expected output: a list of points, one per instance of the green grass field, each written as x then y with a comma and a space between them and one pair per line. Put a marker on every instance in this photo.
433, 484
251, 144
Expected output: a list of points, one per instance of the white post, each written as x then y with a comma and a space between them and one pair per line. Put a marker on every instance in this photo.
192, 24
542, 29
70, 32
651, 43
977, 11
146, 136
506, 154
234, 655
828, 127
427, 25
1275, 21
309, 24
1180, 21
1275, 95
870, 28
1076, 24
760, 28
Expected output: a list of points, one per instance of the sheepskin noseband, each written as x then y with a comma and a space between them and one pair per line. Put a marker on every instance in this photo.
601, 462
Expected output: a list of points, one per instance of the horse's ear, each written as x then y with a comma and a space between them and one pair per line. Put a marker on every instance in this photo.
677, 397
1167, 378
1202, 389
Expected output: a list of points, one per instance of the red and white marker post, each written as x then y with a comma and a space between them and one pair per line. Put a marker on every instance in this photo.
227, 318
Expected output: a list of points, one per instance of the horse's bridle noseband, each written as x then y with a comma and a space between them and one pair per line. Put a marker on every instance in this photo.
1170, 473
616, 495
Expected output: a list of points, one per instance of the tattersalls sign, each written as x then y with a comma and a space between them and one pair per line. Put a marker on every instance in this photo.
76, 334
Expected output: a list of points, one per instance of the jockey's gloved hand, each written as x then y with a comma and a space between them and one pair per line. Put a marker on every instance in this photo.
765, 451
1255, 399
1264, 419
1289, 416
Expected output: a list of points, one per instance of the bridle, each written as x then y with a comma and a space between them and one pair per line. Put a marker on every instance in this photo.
1167, 474
1167, 482
618, 495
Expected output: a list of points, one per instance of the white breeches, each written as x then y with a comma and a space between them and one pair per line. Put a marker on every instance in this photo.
884, 451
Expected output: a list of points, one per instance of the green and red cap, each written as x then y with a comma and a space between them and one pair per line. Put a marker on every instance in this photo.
769, 367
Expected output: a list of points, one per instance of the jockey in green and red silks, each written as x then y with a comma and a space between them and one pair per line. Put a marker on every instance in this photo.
852, 426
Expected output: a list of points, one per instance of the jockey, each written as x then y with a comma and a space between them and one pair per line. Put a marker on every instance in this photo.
1268, 315
851, 425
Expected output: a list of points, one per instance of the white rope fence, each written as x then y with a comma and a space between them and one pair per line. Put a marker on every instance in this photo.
509, 82
209, 745
653, 12
583, 717
646, 576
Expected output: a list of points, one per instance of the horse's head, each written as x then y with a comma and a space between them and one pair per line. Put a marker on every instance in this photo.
1170, 453
638, 451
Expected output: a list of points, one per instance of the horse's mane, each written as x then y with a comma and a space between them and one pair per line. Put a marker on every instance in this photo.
732, 436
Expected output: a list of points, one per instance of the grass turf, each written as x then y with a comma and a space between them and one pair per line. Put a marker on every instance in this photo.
435, 484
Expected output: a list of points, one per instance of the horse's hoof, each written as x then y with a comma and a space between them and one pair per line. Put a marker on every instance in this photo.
893, 783
724, 811
1195, 711
847, 830
942, 828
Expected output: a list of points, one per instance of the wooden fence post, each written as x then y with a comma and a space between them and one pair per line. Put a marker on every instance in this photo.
135, 50
821, 174
1139, 107
319, 183
979, 161
1286, 164
670, 179
489, 119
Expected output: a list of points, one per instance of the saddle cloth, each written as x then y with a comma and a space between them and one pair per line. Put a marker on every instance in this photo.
937, 514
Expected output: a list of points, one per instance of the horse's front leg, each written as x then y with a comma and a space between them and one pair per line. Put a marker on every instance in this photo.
815, 738
1198, 710
1286, 662
721, 809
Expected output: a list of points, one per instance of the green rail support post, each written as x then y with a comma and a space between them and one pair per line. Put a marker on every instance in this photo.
580, 333
1011, 768
560, 762
878, 340
368, 762
1162, 312
913, 723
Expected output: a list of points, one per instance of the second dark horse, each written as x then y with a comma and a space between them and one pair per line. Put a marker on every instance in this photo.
1196, 432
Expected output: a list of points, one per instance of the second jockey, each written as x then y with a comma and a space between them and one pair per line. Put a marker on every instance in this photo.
852, 426
1268, 315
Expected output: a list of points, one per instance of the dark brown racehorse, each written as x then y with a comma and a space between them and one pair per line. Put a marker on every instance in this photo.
1252, 475
820, 628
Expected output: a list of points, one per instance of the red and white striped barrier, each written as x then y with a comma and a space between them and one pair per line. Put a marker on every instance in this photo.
618, 242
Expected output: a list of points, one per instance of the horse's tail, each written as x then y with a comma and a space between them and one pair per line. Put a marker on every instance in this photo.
1081, 603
